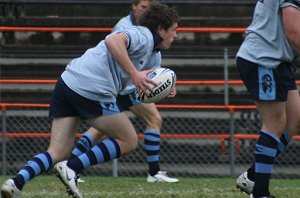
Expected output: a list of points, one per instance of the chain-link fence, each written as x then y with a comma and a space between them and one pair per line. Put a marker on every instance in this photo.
195, 142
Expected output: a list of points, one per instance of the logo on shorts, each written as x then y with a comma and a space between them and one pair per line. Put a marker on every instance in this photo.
267, 83
258, 149
108, 105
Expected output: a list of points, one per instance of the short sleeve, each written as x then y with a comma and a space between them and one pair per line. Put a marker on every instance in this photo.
293, 3
139, 40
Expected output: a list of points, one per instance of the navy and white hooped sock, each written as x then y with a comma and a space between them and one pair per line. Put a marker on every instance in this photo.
285, 140
85, 143
104, 151
152, 148
40, 163
265, 153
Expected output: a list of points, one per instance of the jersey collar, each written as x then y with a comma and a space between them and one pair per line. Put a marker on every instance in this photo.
132, 18
157, 40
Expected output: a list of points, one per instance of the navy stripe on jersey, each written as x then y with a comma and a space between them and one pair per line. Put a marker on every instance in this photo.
128, 41
295, 2
132, 18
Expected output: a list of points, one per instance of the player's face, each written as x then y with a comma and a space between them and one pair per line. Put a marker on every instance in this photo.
168, 36
140, 8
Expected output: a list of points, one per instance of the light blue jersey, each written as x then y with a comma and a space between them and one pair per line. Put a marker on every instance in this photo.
126, 21
97, 76
155, 59
265, 43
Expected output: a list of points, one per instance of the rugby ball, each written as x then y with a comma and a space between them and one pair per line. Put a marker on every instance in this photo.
165, 79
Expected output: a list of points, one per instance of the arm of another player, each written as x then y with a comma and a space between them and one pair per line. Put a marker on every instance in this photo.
291, 20
172, 93
116, 45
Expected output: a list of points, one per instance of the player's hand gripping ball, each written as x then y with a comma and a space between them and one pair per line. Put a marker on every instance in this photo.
165, 79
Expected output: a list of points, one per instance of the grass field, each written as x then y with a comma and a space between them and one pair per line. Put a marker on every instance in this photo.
134, 187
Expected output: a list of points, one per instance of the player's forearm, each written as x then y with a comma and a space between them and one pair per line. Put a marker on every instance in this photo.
116, 45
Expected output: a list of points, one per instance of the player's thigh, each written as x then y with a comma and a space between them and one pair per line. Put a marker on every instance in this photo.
117, 126
293, 112
145, 111
272, 115
63, 133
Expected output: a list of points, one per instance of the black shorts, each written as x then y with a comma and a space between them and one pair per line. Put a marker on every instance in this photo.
67, 103
267, 84
127, 101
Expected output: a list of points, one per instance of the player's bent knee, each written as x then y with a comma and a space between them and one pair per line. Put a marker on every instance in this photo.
58, 156
128, 145
133, 143
292, 130
154, 121
159, 120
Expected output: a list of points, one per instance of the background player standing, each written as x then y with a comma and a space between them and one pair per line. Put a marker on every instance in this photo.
264, 61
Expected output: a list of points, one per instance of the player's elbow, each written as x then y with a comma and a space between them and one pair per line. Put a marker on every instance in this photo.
292, 34
294, 39
108, 41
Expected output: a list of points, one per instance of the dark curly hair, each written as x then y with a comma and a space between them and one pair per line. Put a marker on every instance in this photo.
159, 14
136, 2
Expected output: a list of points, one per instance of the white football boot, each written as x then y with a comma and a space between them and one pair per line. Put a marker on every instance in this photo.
79, 180
271, 196
69, 178
9, 190
161, 176
245, 184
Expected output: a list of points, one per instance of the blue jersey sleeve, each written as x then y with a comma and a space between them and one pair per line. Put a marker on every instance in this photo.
294, 3
138, 42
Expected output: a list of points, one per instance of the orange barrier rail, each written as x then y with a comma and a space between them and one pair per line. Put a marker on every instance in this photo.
178, 82
26, 81
212, 82
231, 108
221, 137
108, 29
164, 136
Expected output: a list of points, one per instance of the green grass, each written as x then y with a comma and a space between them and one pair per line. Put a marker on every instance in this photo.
134, 187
